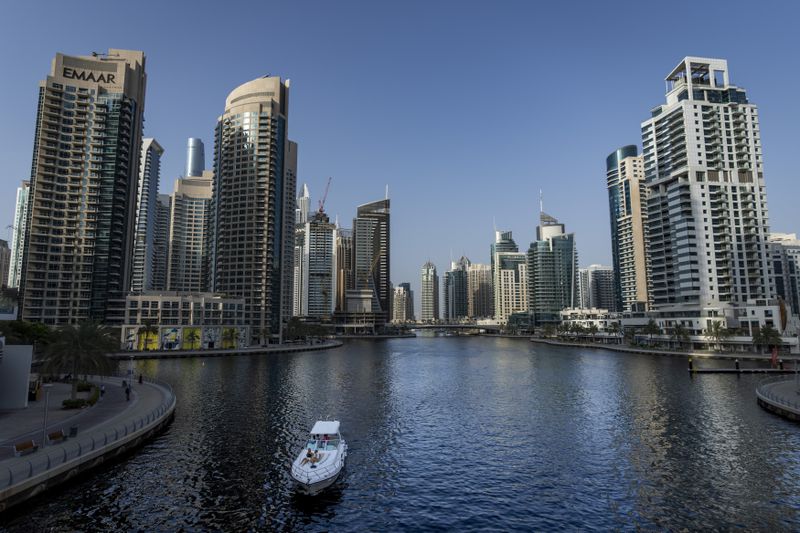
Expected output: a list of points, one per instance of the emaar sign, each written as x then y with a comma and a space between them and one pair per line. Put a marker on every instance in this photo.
85, 75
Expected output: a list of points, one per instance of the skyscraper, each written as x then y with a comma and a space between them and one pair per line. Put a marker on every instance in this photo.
403, 304
344, 267
195, 158
627, 198
479, 291
303, 206
429, 293
5, 261
707, 205
18, 239
456, 291
596, 288
784, 249
552, 270
255, 168
188, 223
78, 258
161, 251
371, 254
509, 277
146, 200
316, 275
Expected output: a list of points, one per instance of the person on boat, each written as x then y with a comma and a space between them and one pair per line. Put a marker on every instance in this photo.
309, 458
324, 441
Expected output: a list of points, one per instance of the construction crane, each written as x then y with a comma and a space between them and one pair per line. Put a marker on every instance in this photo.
321, 209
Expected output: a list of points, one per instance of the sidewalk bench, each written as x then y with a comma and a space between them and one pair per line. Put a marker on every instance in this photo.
24, 448
57, 436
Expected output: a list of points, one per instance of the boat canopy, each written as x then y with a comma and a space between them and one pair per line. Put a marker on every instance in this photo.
323, 427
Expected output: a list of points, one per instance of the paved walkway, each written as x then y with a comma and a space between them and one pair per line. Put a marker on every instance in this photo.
253, 350
784, 393
21, 425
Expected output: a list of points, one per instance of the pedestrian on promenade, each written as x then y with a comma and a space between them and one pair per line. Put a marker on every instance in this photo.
102, 390
140, 379
124, 384
127, 394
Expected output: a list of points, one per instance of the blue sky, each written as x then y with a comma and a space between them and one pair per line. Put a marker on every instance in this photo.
466, 110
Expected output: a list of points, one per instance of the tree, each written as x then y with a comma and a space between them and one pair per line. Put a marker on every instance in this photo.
767, 336
149, 327
192, 336
717, 332
680, 334
23, 332
592, 330
80, 349
614, 328
652, 329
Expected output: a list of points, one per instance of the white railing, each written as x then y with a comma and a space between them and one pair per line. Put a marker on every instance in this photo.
76, 447
764, 392
321, 473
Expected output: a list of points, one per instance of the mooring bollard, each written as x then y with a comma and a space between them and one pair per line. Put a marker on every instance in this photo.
737, 365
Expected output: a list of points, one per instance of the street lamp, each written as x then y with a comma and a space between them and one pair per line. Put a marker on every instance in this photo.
130, 372
47, 387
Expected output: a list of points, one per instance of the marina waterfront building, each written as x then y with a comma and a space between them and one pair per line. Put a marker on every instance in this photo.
627, 199
78, 256
252, 211
371, 255
188, 233
509, 277
303, 209
18, 238
596, 288
146, 214
784, 250
552, 270
456, 292
161, 246
479, 291
707, 205
429, 293
316, 273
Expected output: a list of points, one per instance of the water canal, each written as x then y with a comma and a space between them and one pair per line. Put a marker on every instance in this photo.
449, 433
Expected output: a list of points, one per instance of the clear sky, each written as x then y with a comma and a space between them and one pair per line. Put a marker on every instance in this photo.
466, 110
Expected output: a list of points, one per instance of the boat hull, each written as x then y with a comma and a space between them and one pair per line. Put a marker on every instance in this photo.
315, 488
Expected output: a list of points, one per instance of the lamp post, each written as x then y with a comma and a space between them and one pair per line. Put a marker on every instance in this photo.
130, 372
47, 387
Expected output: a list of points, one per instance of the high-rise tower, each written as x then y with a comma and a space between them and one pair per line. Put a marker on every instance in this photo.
255, 167
146, 214
195, 158
509, 277
371, 254
190, 206
429, 293
552, 270
627, 199
84, 176
707, 206
20, 231
456, 294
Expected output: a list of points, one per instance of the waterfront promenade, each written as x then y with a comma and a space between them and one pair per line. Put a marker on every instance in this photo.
110, 427
781, 396
253, 350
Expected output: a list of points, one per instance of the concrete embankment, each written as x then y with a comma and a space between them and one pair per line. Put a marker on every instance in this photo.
150, 410
780, 396
255, 350
742, 356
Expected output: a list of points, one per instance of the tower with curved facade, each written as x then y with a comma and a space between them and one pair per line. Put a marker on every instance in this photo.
252, 212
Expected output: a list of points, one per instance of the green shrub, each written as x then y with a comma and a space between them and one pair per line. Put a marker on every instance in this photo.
94, 396
84, 386
73, 404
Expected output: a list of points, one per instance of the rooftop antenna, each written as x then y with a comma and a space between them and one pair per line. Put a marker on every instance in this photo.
541, 202
387, 191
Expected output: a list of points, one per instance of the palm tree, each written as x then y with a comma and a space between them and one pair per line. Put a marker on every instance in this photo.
767, 336
593, 329
652, 329
717, 332
680, 334
229, 337
614, 328
80, 349
192, 336
149, 327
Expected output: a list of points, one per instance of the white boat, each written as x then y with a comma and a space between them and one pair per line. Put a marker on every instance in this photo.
321, 459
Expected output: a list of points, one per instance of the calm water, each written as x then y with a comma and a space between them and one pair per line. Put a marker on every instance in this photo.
449, 433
